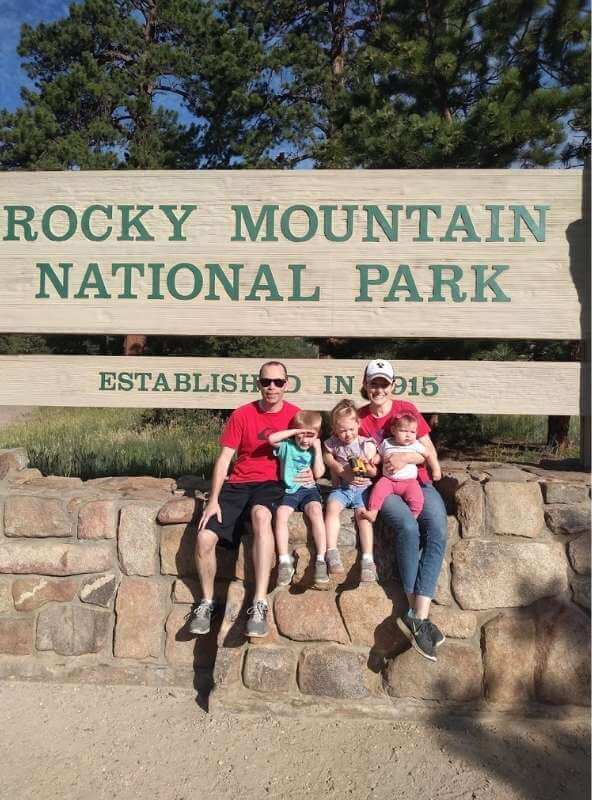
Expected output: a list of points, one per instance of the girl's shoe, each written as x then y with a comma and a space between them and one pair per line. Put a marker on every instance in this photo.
321, 576
334, 562
368, 572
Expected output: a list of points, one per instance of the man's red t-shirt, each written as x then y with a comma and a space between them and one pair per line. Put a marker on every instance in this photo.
378, 428
247, 431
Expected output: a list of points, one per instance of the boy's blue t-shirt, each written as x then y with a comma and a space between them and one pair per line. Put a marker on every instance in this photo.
293, 460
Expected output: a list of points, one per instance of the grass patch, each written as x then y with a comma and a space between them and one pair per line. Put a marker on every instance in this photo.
98, 442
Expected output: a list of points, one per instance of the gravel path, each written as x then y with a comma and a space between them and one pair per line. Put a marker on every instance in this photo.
101, 742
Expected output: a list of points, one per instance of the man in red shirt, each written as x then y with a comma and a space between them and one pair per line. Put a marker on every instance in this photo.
253, 486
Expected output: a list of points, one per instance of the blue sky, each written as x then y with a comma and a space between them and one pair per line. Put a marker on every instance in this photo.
13, 13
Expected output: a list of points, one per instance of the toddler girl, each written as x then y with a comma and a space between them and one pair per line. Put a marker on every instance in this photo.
352, 463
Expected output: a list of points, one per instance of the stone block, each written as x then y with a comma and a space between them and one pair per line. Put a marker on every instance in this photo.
331, 671
508, 474
498, 574
581, 586
97, 520
228, 666
180, 645
270, 669
38, 517
453, 530
177, 546
309, 617
514, 509
452, 480
98, 590
470, 509
138, 539
55, 558
233, 627
456, 676
187, 590
131, 484
509, 654
180, 510
563, 671
580, 554
16, 636
23, 477
6, 601
442, 595
14, 458
555, 492
453, 622
569, 519
72, 630
141, 611
31, 593
369, 613
300, 531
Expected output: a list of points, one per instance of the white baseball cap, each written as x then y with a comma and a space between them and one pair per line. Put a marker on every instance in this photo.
379, 368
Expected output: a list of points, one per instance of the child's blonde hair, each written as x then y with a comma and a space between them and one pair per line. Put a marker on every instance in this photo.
307, 419
345, 408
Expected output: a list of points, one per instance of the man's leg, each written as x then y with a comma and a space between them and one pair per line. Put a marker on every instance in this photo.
206, 562
262, 550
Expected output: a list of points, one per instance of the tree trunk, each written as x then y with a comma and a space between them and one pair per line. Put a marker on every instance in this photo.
558, 432
134, 345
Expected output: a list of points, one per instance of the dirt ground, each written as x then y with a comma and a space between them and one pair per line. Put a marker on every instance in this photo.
82, 741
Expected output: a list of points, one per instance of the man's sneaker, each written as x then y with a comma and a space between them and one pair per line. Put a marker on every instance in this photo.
334, 562
418, 632
368, 572
257, 624
437, 637
285, 573
200, 618
321, 576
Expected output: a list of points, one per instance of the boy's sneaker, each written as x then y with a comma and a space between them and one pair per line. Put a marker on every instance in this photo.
200, 618
418, 632
334, 562
437, 637
368, 572
321, 576
257, 624
285, 573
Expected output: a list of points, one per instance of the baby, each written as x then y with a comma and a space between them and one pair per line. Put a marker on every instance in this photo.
403, 482
352, 463
297, 449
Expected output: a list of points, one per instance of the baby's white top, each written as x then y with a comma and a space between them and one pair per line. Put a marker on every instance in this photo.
408, 471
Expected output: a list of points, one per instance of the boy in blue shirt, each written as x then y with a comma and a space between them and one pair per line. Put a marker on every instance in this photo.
299, 448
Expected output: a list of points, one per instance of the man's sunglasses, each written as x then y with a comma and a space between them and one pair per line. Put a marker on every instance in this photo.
265, 382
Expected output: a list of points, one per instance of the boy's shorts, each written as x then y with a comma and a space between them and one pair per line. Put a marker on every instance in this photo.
351, 496
237, 499
299, 499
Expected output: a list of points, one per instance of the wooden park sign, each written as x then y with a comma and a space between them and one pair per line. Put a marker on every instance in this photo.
441, 253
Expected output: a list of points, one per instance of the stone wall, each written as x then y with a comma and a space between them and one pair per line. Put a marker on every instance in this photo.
97, 579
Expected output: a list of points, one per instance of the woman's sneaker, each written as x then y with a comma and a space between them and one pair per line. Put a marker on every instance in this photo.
285, 573
334, 562
200, 618
257, 624
437, 637
418, 632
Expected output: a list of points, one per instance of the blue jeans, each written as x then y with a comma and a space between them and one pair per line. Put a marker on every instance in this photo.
420, 543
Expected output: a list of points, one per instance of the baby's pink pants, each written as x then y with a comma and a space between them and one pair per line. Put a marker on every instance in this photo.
408, 490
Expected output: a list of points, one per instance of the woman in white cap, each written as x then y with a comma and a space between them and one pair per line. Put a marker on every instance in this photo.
420, 543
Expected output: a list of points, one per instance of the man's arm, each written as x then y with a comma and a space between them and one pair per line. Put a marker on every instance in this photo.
219, 474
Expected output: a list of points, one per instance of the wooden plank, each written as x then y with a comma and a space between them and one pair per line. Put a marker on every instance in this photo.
481, 387
540, 295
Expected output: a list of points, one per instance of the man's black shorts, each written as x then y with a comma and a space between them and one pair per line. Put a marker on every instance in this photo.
236, 500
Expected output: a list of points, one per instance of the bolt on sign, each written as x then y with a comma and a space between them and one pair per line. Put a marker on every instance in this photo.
398, 253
